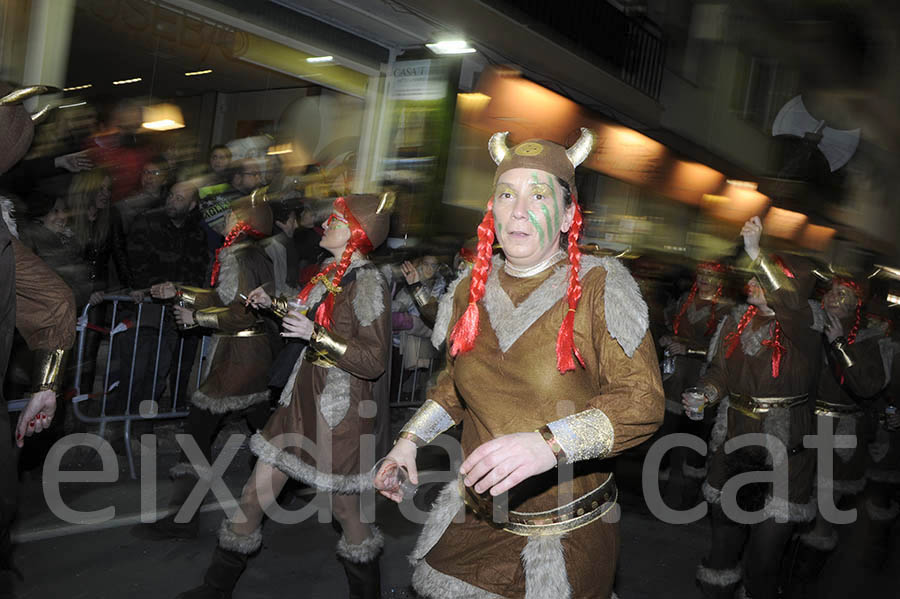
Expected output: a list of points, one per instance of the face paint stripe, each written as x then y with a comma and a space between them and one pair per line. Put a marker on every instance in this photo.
537, 226
555, 203
551, 227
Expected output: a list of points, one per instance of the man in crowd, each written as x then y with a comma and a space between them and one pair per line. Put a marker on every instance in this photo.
245, 177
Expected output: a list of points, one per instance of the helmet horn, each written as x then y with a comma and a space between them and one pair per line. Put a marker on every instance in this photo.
581, 149
17, 96
497, 146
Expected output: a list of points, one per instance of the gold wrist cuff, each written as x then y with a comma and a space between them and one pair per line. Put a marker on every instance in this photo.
414, 439
698, 353
49, 365
188, 295
428, 422
280, 306
550, 438
840, 349
207, 318
325, 348
770, 276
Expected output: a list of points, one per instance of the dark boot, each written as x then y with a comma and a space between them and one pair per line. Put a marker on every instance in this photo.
806, 558
718, 584
361, 564
228, 563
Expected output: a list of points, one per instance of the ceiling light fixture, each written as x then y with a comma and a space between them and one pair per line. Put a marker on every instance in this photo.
203, 72
72, 105
77, 87
315, 59
126, 81
162, 117
451, 47
742, 184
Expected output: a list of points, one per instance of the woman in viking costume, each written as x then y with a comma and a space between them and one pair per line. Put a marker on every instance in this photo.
764, 363
856, 356
328, 405
550, 364
690, 322
34, 300
235, 374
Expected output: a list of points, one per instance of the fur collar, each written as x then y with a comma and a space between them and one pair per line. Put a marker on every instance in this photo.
818, 314
368, 302
229, 274
627, 317
7, 208
445, 310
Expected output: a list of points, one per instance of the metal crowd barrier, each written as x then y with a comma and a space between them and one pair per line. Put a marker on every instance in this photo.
129, 414
419, 384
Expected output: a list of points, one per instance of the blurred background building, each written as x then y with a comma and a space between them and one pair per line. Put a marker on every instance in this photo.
706, 112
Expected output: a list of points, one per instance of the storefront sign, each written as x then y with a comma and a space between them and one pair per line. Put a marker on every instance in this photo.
411, 82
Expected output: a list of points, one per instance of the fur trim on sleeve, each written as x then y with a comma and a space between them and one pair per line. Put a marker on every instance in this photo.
7, 208
627, 316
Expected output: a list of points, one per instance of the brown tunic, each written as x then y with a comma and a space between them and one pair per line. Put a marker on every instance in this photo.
334, 409
492, 392
748, 372
236, 372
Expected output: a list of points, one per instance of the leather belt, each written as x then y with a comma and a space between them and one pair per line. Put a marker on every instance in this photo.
580, 512
754, 406
836, 410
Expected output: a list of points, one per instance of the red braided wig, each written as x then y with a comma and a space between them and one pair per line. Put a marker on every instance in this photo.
565, 341
462, 339
236, 232
676, 326
358, 242
857, 290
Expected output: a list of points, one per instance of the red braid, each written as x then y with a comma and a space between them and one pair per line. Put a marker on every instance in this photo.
677, 324
565, 341
732, 339
462, 339
711, 323
778, 350
233, 235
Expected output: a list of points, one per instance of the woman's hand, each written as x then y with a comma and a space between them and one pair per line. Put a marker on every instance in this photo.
752, 233
183, 316
676, 348
410, 273
833, 327
163, 291
403, 455
502, 463
296, 324
96, 298
259, 299
37, 415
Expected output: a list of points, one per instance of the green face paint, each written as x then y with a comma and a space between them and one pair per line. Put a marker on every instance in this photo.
537, 226
555, 203
551, 230
499, 229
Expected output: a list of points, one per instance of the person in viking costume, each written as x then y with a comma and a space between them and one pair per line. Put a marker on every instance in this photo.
550, 364
764, 365
38, 303
235, 374
856, 356
328, 405
691, 322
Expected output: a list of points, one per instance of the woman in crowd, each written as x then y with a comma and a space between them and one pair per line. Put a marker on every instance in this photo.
764, 363
550, 364
328, 405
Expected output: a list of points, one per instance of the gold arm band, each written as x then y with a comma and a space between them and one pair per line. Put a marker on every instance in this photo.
208, 318
839, 346
49, 365
428, 422
188, 295
769, 274
550, 438
280, 306
325, 348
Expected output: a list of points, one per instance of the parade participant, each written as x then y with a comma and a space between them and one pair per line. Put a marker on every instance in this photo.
853, 369
550, 362
764, 363
691, 322
234, 378
38, 303
329, 400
